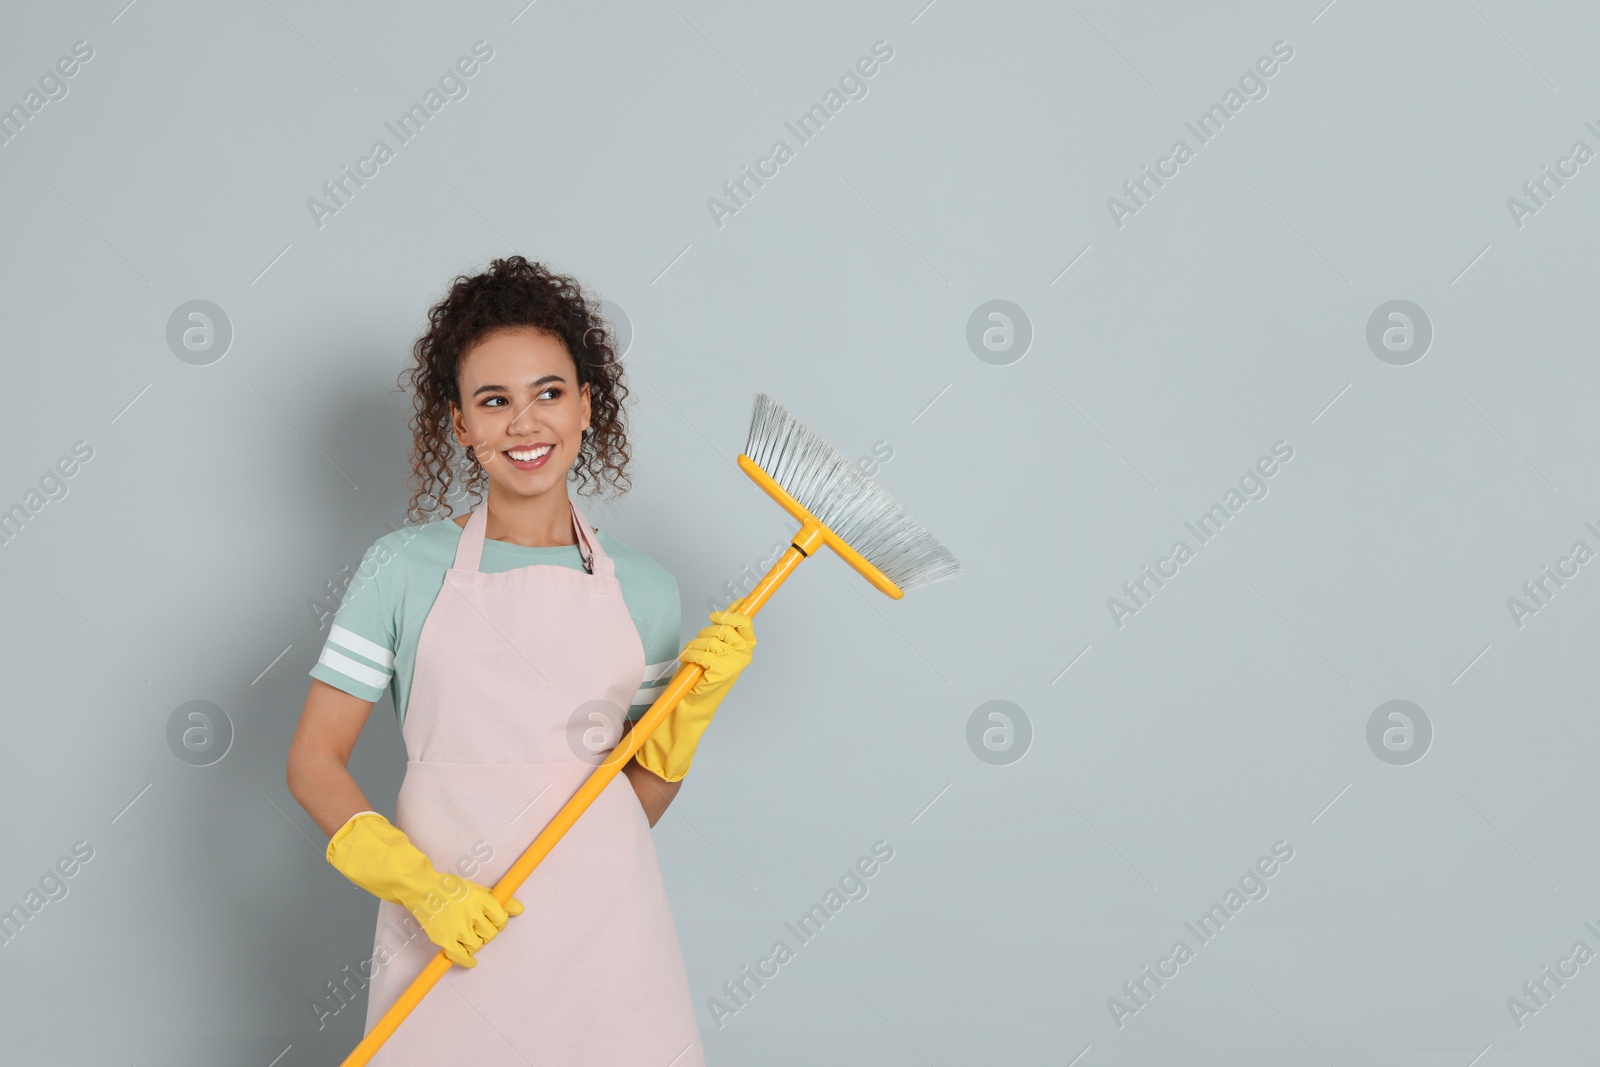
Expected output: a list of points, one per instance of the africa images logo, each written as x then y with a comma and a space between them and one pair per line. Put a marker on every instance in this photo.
852, 85
1252, 85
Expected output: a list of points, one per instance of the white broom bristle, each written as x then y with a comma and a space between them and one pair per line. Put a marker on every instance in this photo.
844, 499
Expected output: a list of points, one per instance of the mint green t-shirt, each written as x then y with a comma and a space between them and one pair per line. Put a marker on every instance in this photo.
372, 642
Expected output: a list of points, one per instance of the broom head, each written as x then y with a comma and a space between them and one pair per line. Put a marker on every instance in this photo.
815, 483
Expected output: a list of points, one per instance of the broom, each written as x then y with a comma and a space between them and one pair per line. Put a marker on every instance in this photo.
837, 506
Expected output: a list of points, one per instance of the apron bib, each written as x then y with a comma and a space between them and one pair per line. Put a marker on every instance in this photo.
513, 673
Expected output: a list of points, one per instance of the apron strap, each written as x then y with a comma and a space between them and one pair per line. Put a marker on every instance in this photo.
597, 562
469, 549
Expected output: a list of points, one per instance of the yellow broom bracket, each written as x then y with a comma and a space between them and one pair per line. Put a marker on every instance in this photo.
813, 533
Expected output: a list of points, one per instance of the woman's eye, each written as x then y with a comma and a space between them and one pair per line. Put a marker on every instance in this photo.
500, 401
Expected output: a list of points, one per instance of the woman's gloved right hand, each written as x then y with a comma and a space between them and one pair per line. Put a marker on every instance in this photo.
458, 915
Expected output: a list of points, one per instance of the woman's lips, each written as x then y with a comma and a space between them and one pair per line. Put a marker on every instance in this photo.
529, 465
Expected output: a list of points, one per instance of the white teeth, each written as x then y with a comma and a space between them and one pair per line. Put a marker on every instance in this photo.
529, 454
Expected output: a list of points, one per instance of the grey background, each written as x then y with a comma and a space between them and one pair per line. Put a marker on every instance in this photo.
1228, 314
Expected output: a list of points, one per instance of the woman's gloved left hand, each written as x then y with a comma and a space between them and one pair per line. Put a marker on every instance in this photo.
724, 649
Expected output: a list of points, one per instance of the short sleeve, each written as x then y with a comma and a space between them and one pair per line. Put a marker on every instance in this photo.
358, 655
658, 632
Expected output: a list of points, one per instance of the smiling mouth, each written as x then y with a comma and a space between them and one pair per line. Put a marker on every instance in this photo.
530, 458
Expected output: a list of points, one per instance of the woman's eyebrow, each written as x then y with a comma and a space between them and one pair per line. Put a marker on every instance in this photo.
503, 389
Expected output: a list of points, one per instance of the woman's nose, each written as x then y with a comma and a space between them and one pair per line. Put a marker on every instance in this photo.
522, 420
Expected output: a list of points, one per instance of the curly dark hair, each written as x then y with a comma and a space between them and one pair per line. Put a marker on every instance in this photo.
513, 293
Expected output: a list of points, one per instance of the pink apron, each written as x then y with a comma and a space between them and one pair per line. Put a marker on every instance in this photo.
510, 669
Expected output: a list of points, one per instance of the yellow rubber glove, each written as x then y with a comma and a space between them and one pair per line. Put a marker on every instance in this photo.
458, 915
723, 649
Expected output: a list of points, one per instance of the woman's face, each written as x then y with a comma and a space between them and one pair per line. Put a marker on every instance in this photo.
521, 410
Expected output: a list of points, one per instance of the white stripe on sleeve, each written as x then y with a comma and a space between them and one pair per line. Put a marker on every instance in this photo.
656, 677
351, 641
660, 673
351, 669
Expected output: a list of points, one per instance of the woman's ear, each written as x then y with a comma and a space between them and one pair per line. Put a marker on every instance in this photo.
584, 392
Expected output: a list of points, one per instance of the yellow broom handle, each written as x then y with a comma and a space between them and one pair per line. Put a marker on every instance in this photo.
808, 540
